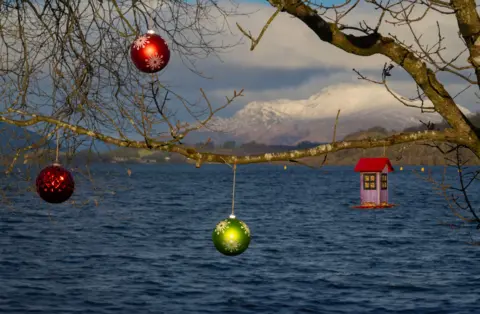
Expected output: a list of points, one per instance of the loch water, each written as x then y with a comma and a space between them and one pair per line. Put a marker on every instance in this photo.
146, 247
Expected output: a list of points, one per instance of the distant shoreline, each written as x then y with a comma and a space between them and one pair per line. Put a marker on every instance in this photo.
278, 164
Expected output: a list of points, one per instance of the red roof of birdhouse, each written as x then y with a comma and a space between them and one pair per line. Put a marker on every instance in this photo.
373, 165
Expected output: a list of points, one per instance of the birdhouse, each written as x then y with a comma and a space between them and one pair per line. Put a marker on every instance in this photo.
374, 182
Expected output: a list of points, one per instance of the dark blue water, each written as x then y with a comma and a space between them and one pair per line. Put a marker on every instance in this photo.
147, 248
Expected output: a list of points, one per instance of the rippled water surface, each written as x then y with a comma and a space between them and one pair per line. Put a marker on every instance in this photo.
148, 248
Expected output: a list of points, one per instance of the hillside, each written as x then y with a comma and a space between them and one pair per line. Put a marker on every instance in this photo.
411, 154
13, 137
404, 154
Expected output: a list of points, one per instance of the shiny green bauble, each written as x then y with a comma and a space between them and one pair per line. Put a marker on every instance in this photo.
231, 236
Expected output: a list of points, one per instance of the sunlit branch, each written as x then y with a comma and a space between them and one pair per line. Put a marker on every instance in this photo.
254, 41
448, 135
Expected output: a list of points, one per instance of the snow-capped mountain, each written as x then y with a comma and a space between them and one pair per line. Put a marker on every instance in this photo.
289, 122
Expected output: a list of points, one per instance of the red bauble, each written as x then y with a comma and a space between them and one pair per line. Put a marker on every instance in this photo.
55, 184
150, 53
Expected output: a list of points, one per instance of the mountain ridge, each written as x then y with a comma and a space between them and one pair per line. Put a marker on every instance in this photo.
289, 122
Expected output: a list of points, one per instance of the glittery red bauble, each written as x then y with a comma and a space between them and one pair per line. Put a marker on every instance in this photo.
150, 53
55, 184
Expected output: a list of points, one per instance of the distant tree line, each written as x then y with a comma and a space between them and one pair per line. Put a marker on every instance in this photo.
253, 146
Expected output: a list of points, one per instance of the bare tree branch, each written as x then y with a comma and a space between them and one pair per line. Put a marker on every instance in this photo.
255, 41
375, 43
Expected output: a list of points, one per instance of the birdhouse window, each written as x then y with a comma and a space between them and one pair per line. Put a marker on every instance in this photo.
369, 181
384, 181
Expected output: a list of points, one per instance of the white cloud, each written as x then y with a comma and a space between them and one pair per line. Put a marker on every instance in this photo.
295, 91
347, 97
344, 91
289, 43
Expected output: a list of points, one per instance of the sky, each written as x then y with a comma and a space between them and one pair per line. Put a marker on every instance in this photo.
291, 62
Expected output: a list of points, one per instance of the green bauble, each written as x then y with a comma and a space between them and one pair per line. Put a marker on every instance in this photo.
231, 236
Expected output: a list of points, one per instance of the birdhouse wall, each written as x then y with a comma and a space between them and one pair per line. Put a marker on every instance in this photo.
379, 176
383, 193
384, 196
369, 195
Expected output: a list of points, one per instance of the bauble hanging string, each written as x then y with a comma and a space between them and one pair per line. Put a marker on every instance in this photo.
149, 52
232, 215
54, 183
231, 236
